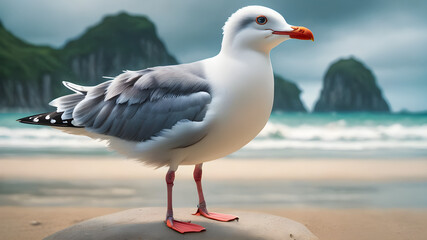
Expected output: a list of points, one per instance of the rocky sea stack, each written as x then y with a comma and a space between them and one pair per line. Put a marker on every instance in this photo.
349, 86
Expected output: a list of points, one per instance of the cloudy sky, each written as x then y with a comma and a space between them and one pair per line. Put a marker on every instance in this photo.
389, 36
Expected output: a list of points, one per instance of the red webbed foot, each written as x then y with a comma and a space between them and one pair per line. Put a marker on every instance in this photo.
216, 216
183, 227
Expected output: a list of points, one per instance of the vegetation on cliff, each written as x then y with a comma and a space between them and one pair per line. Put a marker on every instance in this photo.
117, 43
26, 72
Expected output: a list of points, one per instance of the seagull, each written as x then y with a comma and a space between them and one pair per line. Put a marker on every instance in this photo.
184, 114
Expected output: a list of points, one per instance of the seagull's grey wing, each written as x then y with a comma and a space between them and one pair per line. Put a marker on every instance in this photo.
138, 105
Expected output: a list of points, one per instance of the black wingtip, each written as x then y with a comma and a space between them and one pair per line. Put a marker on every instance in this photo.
31, 119
25, 120
47, 119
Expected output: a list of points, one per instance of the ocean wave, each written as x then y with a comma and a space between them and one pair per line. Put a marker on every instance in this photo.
52, 143
43, 132
337, 135
30, 138
340, 131
334, 145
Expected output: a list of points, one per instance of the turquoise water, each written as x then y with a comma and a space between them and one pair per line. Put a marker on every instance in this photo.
351, 135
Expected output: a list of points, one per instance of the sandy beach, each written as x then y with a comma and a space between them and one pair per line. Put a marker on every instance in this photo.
332, 224
326, 223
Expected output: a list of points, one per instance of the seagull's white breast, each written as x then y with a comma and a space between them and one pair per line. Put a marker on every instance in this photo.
243, 91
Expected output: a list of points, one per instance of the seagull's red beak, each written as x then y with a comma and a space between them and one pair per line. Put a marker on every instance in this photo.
301, 33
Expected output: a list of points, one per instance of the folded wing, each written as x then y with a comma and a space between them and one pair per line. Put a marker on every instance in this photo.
138, 105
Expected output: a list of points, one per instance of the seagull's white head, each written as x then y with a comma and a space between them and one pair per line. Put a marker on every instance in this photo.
259, 28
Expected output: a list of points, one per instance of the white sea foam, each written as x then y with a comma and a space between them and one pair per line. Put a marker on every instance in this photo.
31, 138
339, 136
340, 131
335, 145
52, 143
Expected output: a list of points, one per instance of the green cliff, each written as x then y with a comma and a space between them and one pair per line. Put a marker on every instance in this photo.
31, 76
120, 42
26, 72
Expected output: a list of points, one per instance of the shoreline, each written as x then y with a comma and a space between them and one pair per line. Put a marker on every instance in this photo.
69, 168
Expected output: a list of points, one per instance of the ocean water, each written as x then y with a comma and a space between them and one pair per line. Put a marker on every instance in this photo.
290, 135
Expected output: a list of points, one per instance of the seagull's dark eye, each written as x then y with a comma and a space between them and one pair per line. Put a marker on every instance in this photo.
261, 20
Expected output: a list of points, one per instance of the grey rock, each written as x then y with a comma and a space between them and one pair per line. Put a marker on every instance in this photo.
147, 224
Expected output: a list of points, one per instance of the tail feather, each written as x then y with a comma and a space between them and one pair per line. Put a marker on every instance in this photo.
76, 88
66, 104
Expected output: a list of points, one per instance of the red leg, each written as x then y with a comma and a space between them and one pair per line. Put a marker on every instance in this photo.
202, 210
170, 177
181, 227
